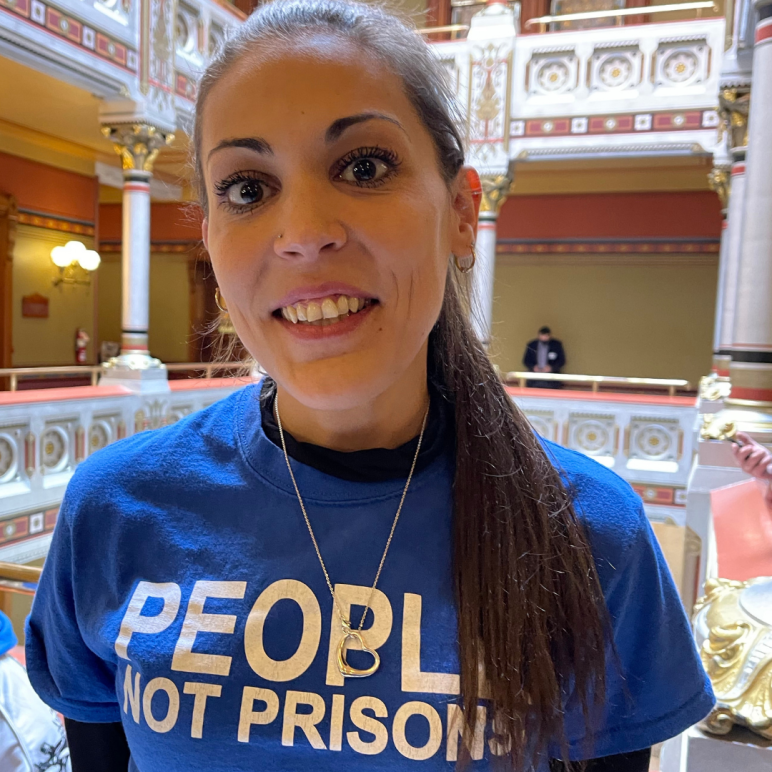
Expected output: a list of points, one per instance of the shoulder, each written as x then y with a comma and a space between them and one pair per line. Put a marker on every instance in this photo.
608, 507
176, 452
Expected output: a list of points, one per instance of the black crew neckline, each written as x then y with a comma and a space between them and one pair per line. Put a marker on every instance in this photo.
372, 465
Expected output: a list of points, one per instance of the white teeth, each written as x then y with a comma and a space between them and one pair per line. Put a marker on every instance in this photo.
329, 309
313, 312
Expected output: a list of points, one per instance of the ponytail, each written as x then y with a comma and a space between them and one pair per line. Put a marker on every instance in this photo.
529, 601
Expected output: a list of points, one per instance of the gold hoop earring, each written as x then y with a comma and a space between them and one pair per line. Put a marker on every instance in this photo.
219, 301
466, 268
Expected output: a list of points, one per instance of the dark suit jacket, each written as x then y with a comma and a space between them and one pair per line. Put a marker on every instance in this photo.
556, 357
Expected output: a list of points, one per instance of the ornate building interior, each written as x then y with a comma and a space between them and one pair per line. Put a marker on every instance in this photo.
625, 155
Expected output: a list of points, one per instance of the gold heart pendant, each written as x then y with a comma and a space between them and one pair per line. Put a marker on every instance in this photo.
343, 666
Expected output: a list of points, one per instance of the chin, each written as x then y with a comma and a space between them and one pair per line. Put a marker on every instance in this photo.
335, 384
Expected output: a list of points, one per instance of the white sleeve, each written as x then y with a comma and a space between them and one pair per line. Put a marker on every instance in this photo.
31, 736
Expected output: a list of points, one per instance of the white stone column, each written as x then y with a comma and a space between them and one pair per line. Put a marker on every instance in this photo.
138, 145
495, 190
751, 368
135, 263
730, 268
728, 180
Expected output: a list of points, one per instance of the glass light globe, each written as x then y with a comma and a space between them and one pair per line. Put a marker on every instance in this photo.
89, 260
75, 247
61, 257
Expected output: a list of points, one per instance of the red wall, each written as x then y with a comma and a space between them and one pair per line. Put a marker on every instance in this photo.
168, 222
611, 215
47, 189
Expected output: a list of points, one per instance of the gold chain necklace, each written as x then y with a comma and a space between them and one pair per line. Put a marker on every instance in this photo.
349, 633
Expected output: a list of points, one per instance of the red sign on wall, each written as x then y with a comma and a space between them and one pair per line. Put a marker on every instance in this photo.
34, 306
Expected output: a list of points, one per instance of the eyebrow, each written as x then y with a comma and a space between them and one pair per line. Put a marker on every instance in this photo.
333, 133
338, 127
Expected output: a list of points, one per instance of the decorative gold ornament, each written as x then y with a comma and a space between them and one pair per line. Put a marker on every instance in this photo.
714, 427
495, 188
733, 108
720, 181
137, 144
714, 387
734, 620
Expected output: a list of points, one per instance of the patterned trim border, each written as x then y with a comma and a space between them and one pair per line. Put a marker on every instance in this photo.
184, 86
54, 223
40, 14
602, 246
626, 123
23, 527
660, 495
175, 247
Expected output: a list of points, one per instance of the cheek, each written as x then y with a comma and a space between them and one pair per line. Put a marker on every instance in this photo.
418, 256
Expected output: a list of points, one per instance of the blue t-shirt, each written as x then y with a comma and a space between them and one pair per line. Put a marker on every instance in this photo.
183, 597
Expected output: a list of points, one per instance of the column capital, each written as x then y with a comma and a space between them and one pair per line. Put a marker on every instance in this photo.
733, 109
720, 181
495, 189
137, 144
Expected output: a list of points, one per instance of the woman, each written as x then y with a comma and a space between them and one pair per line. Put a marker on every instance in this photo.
212, 582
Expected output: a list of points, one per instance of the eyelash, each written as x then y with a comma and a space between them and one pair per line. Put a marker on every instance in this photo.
389, 157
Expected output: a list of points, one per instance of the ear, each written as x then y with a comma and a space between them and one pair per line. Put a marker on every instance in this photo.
205, 232
467, 194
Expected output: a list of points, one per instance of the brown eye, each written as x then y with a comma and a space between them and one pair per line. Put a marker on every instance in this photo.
245, 193
365, 170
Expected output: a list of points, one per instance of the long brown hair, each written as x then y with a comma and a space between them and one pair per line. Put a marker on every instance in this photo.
531, 615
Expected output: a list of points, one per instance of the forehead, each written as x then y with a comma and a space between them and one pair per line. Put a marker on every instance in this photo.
303, 88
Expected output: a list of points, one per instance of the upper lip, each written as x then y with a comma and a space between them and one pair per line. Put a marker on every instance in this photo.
321, 291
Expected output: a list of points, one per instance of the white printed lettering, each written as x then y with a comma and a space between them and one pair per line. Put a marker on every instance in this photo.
500, 744
249, 717
300, 661
413, 678
135, 622
131, 696
336, 722
170, 719
458, 727
376, 635
196, 621
435, 731
368, 724
202, 691
305, 721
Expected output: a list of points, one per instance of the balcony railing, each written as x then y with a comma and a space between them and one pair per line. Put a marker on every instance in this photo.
620, 13
597, 382
92, 372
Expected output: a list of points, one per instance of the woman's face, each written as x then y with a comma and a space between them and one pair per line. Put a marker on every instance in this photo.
329, 225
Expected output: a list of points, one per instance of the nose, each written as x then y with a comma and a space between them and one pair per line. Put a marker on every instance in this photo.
308, 225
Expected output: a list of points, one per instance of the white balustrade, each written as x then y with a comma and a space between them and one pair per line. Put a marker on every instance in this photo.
46, 433
626, 90
648, 440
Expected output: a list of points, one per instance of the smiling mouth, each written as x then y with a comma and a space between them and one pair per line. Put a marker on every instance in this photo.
324, 311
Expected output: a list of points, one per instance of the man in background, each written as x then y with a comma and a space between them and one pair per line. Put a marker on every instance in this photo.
544, 355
